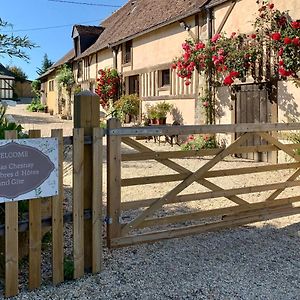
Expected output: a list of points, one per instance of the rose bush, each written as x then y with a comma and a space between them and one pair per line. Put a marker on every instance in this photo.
275, 41
108, 86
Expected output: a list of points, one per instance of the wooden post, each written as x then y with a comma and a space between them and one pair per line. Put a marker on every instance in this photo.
57, 216
35, 235
78, 202
97, 199
11, 241
87, 116
113, 182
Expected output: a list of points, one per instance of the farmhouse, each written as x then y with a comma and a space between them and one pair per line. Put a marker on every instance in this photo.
142, 38
6, 83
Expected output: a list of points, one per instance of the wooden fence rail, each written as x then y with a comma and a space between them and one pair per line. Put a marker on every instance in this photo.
240, 212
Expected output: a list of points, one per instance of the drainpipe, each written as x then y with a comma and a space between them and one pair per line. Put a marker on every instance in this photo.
209, 80
115, 51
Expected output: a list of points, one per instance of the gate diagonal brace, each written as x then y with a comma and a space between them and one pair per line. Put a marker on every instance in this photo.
182, 170
199, 174
280, 146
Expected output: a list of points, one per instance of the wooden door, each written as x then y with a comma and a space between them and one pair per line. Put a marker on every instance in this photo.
253, 106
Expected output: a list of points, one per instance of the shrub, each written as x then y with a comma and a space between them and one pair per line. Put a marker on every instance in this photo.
36, 105
295, 138
128, 105
5, 125
199, 142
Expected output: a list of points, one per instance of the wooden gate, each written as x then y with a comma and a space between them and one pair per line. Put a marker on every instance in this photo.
253, 105
144, 223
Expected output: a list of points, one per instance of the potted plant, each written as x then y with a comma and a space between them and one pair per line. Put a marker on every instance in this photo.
128, 107
163, 108
152, 114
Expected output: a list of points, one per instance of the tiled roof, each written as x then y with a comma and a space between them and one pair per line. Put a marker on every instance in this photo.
92, 30
138, 16
67, 57
5, 73
213, 3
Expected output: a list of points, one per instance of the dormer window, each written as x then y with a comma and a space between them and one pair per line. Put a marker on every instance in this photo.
127, 52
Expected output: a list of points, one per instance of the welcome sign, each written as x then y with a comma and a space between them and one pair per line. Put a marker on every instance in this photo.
28, 169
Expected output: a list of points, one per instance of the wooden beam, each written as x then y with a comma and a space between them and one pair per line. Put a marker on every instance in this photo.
225, 18
97, 243
58, 216
11, 241
210, 174
35, 235
196, 229
202, 129
78, 202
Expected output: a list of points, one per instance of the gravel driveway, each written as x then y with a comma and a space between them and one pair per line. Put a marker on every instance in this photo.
261, 261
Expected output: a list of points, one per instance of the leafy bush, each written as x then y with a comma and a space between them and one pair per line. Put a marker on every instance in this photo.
36, 105
295, 138
127, 105
5, 125
199, 142
68, 269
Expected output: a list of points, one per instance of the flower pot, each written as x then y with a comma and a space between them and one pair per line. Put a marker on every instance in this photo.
162, 121
154, 121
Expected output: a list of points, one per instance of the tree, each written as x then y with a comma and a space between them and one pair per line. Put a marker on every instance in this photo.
19, 74
36, 88
12, 45
46, 64
65, 79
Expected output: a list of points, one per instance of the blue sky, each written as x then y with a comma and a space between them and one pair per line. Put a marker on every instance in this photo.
32, 14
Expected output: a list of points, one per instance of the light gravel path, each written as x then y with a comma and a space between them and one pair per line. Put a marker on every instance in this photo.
261, 261
39, 120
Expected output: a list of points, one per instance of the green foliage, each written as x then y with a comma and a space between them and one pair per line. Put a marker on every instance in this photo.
295, 138
162, 109
12, 45
151, 111
199, 142
46, 64
127, 104
36, 87
5, 125
36, 105
19, 74
158, 111
68, 269
65, 77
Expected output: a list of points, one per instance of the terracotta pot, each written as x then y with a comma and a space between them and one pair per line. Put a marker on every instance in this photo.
162, 121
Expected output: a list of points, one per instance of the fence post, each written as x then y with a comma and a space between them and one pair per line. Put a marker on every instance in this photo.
58, 216
113, 182
11, 241
35, 234
87, 116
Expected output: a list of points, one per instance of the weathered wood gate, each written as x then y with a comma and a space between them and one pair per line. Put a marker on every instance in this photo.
240, 212
254, 105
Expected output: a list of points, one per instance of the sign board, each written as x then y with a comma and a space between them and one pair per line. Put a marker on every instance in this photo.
28, 169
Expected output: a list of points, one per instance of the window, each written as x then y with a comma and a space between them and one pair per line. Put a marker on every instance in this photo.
127, 49
79, 69
133, 85
165, 78
51, 85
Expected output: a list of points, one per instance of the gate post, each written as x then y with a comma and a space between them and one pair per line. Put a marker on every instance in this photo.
87, 116
113, 182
